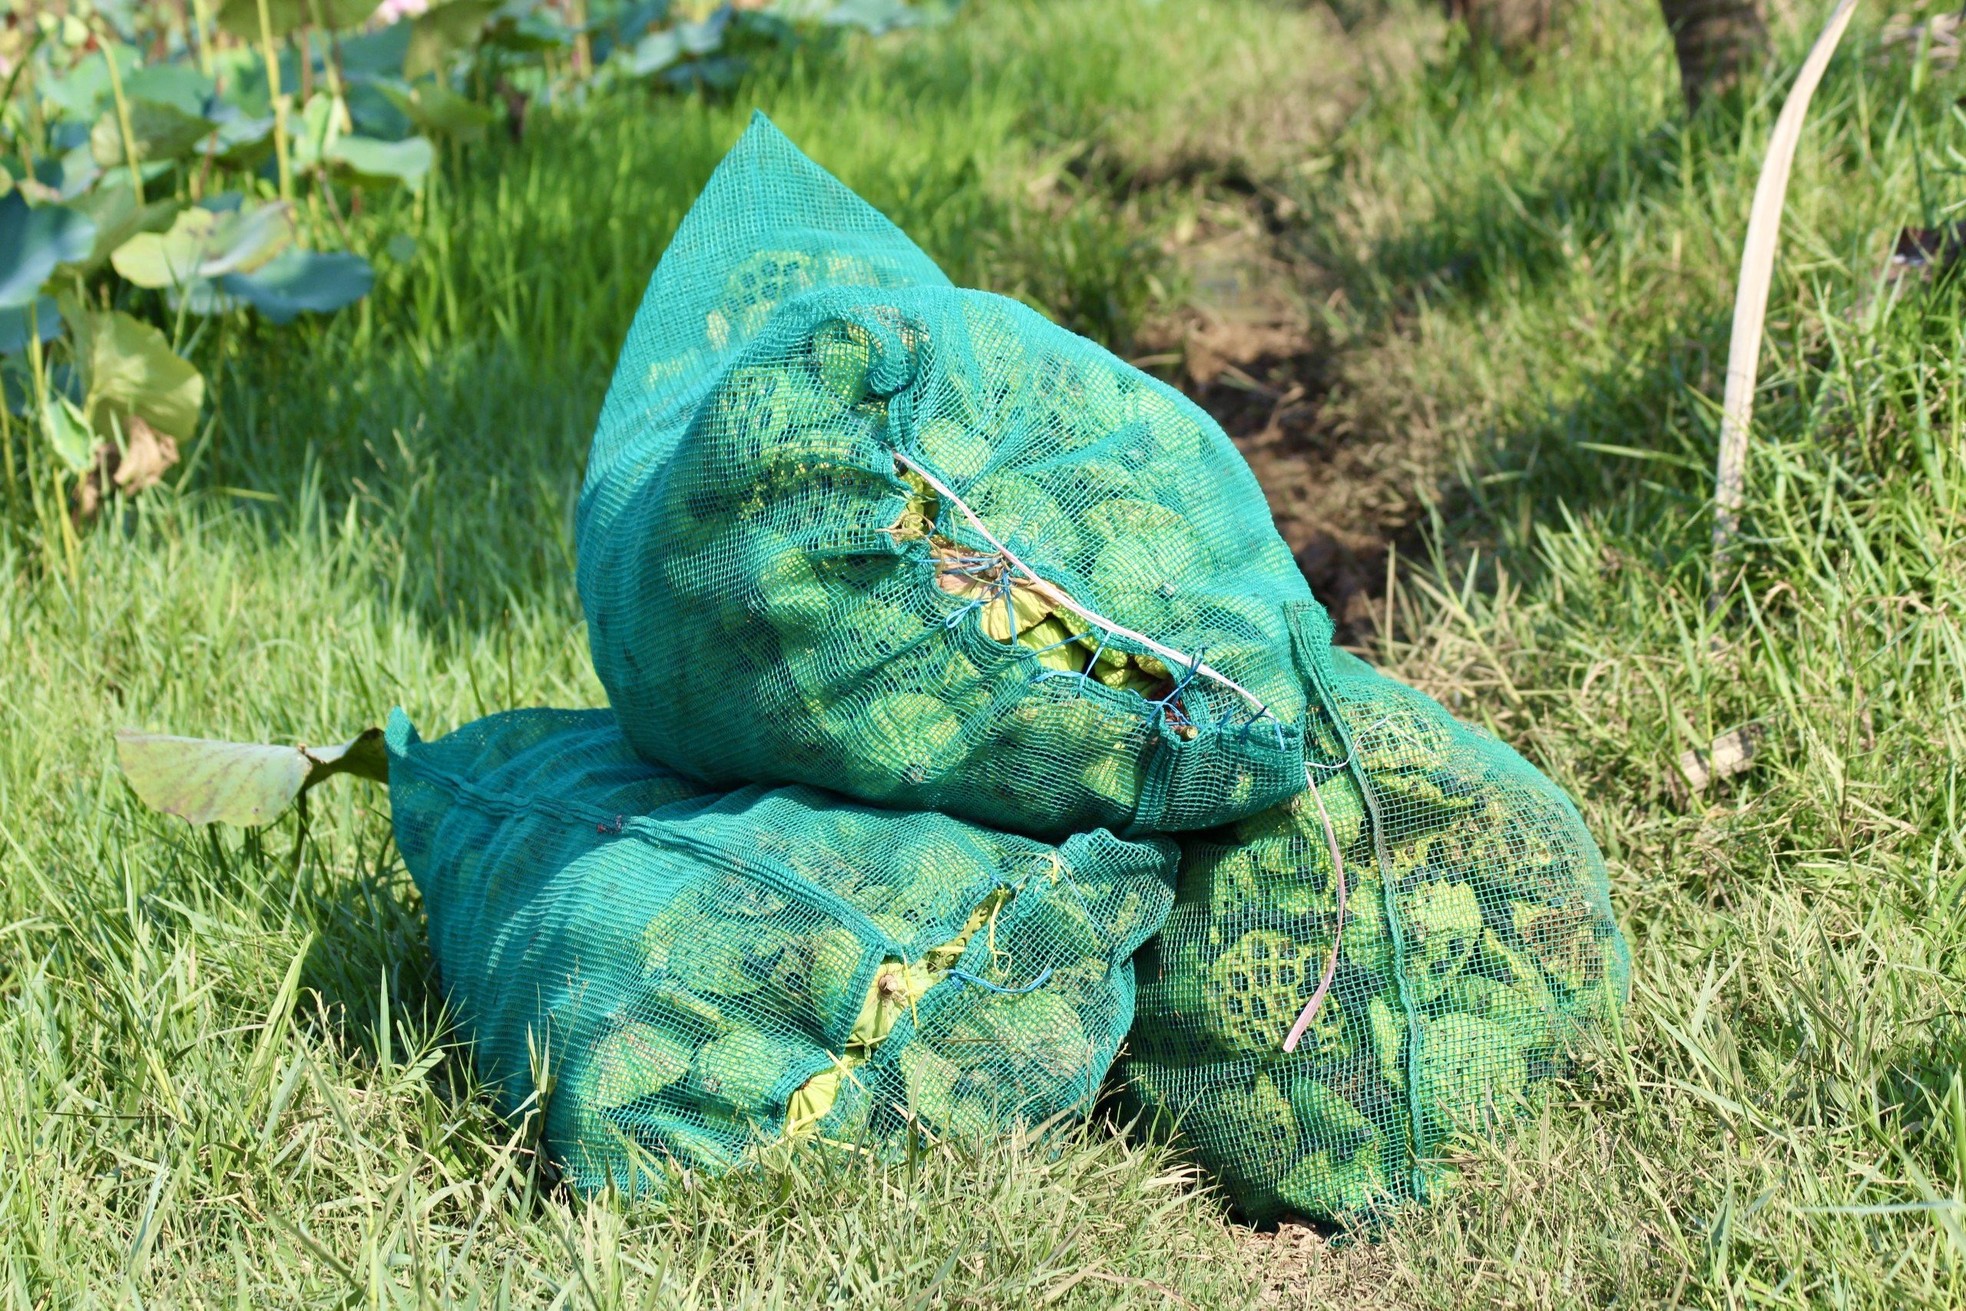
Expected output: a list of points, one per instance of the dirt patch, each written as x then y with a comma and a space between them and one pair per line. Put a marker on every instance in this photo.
1301, 1266
1244, 345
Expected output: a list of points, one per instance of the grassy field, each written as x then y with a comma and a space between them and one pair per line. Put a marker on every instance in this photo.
226, 1077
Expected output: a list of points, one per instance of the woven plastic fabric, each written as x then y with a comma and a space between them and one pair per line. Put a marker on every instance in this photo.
1478, 943
679, 974
815, 465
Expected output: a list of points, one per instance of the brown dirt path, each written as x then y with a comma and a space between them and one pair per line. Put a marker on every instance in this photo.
1248, 340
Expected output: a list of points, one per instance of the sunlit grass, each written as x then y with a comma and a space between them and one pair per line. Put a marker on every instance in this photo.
1535, 270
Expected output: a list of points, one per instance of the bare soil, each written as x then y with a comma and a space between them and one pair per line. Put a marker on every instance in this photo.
1244, 346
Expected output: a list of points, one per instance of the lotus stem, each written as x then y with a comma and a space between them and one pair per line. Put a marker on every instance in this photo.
123, 120
271, 52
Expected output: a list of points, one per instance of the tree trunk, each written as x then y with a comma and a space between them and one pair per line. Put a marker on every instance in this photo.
1513, 25
1716, 41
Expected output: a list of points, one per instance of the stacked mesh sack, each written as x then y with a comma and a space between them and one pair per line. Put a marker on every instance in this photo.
844, 524
677, 973
848, 526
1428, 926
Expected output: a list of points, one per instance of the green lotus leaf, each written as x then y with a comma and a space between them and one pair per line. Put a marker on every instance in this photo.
905, 735
132, 371
441, 31
68, 434
1566, 940
438, 111
204, 243
118, 218
182, 86
241, 17
33, 241
369, 162
158, 132
42, 319
298, 282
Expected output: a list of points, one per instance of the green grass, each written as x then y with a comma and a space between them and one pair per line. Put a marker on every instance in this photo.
225, 1074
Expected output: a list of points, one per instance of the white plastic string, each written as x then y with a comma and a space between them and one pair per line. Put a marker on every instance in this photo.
1052, 593
1316, 1002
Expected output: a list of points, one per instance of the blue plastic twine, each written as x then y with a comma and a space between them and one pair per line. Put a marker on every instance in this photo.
1039, 982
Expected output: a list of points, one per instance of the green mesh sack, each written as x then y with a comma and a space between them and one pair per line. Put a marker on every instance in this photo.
678, 974
846, 524
1477, 944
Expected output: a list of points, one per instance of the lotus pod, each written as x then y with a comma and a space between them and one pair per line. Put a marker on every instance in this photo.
1443, 924
1112, 778
1271, 1119
1175, 435
909, 736
1523, 1004
1386, 1042
1003, 1053
1327, 1120
635, 1060
1240, 1123
736, 1074
1320, 1185
1400, 734
674, 946
837, 957
1142, 548
815, 668
1365, 943
684, 1145
1412, 799
1022, 515
1034, 720
1567, 941
1298, 818
758, 285
789, 593
1174, 994
1257, 987
954, 450
1470, 1071
682, 1012
931, 1082
784, 967
843, 353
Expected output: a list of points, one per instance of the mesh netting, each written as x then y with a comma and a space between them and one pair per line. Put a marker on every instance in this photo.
848, 525
1478, 941
685, 973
